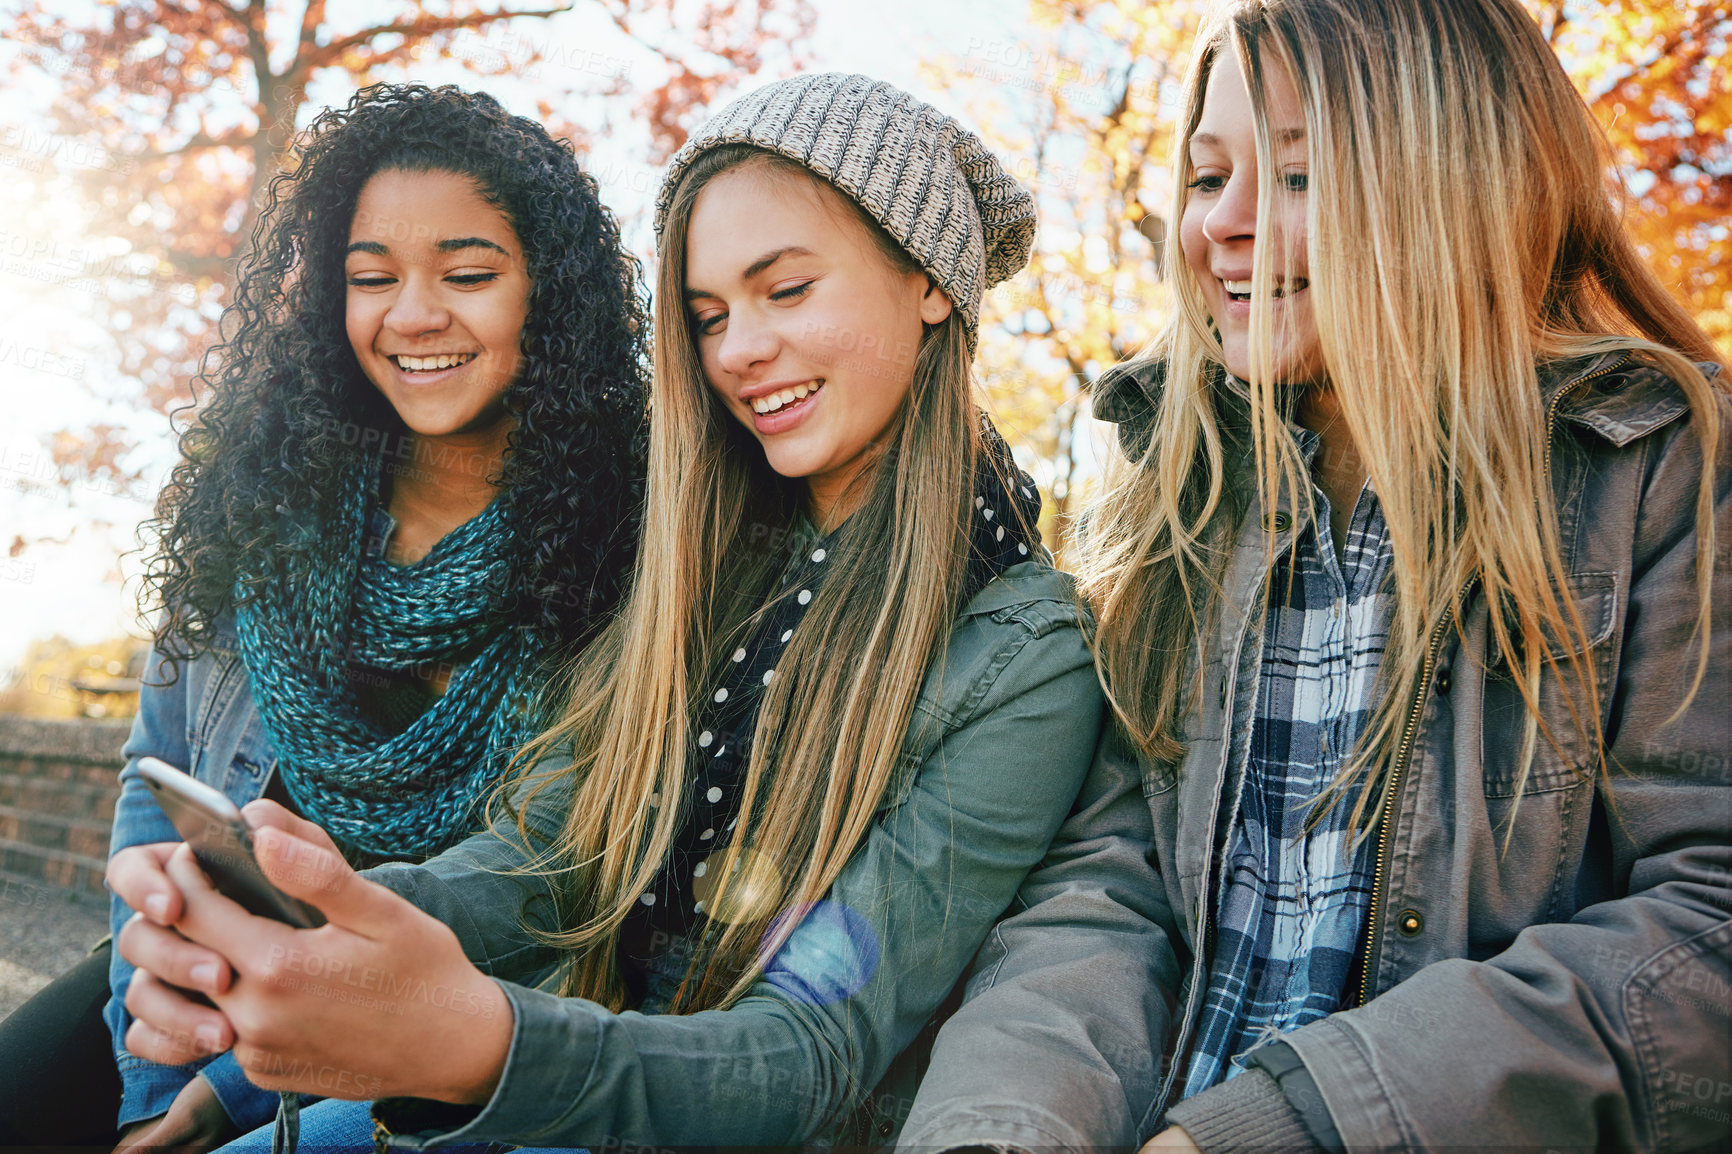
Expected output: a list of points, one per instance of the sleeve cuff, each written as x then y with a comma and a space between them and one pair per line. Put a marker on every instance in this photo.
148, 1089
247, 1106
1248, 1115
421, 1119
532, 1093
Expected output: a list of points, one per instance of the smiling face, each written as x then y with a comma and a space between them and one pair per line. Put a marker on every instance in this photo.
806, 331
437, 295
1218, 230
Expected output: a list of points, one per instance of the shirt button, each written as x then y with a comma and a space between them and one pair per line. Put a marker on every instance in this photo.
1410, 923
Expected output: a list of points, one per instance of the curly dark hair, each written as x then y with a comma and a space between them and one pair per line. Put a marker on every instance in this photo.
264, 460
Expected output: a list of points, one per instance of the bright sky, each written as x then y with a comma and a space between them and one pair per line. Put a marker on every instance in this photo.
56, 365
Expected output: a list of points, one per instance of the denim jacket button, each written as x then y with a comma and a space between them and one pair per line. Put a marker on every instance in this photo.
1443, 683
885, 1127
1410, 923
1277, 522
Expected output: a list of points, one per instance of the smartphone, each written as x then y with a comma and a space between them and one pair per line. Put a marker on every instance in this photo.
222, 842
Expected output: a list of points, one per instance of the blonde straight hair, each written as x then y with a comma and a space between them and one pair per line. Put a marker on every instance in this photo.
831, 725
1460, 232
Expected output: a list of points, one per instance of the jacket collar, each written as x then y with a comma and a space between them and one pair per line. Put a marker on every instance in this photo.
1624, 399
1615, 395
1129, 389
1129, 395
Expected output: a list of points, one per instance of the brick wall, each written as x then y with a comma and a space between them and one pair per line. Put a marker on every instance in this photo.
58, 785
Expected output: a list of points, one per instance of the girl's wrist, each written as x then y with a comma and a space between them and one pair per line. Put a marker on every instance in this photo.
482, 1051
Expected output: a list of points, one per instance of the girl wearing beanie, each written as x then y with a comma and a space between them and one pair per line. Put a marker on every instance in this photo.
1411, 583
841, 714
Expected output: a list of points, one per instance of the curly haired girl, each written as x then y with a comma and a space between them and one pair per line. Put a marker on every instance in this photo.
411, 490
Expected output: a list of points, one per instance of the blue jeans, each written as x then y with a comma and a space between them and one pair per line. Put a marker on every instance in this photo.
328, 1125
334, 1127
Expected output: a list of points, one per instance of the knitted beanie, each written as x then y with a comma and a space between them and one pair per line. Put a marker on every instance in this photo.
928, 180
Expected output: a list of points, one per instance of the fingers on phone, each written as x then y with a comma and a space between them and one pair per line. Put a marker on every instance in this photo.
183, 871
173, 959
137, 877
263, 813
169, 1027
301, 868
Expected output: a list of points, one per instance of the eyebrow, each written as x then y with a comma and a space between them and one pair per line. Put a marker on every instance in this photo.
756, 267
469, 242
374, 248
1282, 136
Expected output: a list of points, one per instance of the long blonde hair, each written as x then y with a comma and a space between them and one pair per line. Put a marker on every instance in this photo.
831, 726
1460, 232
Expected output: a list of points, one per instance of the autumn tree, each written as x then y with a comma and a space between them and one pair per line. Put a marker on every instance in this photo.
1081, 108
1658, 76
191, 104
1082, 105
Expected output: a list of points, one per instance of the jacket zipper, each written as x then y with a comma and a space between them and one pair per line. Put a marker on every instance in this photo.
1552, 409
1411, 730
1403, 751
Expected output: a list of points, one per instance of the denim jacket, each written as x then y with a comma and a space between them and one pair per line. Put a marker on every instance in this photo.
1549, 973
205, 722
829, 1043
199, 718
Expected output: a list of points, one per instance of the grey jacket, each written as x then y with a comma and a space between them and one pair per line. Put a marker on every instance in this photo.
999, 746
1573, 990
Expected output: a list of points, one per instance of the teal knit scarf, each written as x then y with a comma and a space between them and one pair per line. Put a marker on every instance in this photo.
306, 625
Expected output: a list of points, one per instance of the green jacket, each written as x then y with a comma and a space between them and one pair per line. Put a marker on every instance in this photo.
998, 748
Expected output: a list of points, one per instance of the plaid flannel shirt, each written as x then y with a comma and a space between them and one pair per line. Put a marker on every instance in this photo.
1293, 903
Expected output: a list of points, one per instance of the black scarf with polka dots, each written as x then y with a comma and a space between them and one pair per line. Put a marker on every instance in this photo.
670, 915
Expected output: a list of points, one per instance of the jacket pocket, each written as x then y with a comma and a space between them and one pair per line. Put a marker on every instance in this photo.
216, 681
1567, 744
1596, 600
238, 752
248, 771
1675, 1005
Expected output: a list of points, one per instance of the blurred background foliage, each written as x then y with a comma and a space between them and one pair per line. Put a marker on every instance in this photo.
63, 679
1083, 100
185, 109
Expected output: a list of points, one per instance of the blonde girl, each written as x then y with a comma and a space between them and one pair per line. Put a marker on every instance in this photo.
839, 717
1406, 579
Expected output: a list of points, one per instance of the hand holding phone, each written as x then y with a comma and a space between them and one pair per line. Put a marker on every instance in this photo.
221, 840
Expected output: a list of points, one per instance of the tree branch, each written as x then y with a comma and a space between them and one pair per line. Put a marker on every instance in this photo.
1700, 29
328, 54
311, 21
193, 265
199, 142
259, 52
624, 25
